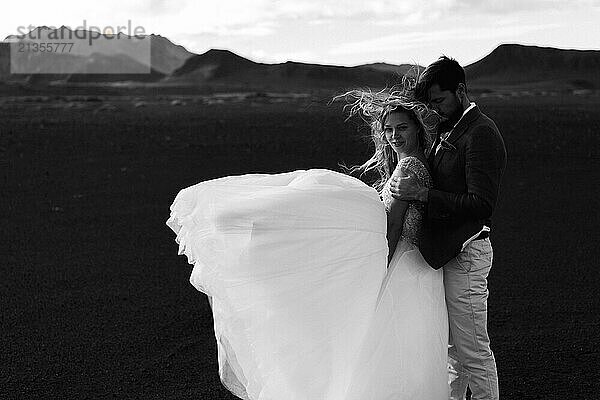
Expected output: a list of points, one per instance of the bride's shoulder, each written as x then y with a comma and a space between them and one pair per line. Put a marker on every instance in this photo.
412, 163
416, 166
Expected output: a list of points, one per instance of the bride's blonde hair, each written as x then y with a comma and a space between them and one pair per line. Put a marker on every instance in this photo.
374, 108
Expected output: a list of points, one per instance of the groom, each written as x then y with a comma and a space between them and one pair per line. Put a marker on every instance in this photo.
467, 161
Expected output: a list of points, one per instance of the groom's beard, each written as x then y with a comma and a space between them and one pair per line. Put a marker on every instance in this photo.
451, 120
445, 126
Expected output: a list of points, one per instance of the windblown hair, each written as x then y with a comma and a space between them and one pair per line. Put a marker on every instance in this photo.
374, 108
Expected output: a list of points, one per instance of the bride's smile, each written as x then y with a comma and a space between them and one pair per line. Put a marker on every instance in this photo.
401, 132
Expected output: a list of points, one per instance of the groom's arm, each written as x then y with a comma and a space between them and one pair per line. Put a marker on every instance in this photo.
485, 159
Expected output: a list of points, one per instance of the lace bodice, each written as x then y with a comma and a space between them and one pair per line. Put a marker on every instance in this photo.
413, 219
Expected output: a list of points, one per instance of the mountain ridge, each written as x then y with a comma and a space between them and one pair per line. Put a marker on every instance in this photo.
506, 67
219, 67
160, 54
517, 64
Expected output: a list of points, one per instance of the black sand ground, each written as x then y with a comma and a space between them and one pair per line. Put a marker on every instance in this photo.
95, 302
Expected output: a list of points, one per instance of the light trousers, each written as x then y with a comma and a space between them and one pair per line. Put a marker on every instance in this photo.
465, 282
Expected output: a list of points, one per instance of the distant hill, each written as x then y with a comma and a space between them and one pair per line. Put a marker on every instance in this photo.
400, 69
166, 56
214, 64
222, 68
4, 61
159, 58
536, 67
508, 67
90, 72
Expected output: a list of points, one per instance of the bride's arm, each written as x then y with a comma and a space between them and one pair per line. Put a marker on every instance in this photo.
394, 225
396, 209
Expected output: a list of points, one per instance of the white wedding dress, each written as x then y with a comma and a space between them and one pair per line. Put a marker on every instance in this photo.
305, 306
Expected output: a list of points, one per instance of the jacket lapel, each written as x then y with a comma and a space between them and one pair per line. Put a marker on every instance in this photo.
437, 158
431, 154
463, 124
456, 133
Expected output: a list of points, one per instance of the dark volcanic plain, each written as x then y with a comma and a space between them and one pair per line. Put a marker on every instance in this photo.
96, 303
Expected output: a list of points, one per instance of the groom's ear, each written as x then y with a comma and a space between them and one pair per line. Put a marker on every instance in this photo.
461, 90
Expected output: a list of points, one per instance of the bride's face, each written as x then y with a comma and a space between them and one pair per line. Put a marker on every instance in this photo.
401, 132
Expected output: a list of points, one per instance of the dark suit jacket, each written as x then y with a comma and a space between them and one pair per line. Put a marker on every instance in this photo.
466, 174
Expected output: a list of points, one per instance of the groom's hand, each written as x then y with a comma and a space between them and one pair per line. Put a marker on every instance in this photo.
407, 187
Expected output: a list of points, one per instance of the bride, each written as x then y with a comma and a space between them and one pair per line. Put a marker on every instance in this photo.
316, 283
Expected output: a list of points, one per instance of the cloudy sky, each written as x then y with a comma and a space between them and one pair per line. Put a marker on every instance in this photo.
337, 32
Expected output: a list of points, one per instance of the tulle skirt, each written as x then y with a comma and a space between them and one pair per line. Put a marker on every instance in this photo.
304, 304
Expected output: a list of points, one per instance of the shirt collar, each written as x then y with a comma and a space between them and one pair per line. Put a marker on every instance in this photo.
447, 134
471, 106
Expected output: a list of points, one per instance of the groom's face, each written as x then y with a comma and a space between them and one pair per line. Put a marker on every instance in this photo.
445, 103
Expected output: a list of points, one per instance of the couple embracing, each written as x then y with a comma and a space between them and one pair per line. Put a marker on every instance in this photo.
321, 290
